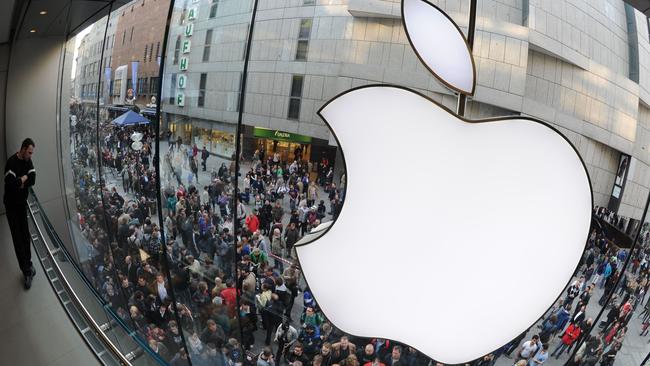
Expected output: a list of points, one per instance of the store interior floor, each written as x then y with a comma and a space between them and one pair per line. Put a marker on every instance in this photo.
34, 328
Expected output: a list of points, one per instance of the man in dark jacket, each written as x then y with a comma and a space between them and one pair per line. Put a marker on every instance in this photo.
19, 176
291, 236
204, 157
213, 334
296, 355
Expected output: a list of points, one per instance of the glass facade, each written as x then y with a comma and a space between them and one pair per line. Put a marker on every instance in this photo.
194, 159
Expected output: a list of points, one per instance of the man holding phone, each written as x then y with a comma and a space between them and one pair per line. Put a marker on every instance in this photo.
19, 176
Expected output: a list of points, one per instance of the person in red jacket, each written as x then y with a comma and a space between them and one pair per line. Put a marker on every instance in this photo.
229, 296
570, 335
252, 222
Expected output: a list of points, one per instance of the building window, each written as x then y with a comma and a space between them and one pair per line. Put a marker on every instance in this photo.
157, 51
153, 85
177, 50
146, 49
309, 2
143, 88
208, 42
117, 86
305, 29
131, 38
303, 39
295, 97
213, 8
123, 37
301, 50
202, 82
150, 52
172, 89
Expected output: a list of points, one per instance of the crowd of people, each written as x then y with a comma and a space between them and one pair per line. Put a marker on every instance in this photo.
216, 279
567, 334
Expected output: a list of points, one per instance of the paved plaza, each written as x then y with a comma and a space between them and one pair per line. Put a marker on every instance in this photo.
634, 350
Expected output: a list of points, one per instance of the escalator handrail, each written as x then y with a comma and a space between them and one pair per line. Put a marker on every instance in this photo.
49, 228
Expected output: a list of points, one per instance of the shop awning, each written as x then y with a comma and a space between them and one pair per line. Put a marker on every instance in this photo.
130, 118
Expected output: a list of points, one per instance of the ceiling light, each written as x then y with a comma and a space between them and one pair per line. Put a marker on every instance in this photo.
32, 30
43, 12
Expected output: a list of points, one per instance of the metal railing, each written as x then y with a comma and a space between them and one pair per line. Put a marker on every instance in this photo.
71, 302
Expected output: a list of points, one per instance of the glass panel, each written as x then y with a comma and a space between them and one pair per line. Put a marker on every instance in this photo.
620, 332
197, 167
348, 50
89, 222
113, 150
128, 144
292, 179
220, 239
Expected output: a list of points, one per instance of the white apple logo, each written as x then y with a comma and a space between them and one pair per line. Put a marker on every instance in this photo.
456, 235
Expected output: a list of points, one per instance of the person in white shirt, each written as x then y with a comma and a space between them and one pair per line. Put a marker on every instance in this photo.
528, 349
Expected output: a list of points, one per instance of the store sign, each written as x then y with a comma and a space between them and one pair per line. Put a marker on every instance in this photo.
183, 65
182, 81
281, 135
193, 13
189, 30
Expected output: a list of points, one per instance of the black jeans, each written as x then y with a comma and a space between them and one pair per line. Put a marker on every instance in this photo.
17, 218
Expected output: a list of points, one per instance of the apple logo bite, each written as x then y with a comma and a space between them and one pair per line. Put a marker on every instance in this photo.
456, 235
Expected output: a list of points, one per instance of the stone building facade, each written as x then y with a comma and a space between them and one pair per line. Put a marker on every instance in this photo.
580, 65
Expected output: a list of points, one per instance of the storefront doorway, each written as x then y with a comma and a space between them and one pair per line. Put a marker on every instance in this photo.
290, 146
289, 151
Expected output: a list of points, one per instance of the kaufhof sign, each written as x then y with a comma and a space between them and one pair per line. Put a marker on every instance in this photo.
183, 63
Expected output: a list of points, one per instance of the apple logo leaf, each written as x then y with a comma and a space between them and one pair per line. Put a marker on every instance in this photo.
440, 45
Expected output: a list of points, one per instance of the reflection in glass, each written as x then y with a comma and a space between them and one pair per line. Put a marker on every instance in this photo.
200, 104
112, 140
90, 225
